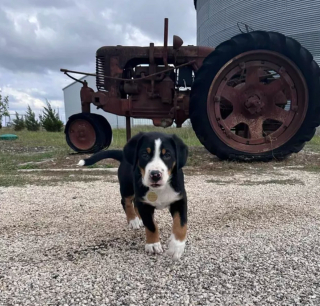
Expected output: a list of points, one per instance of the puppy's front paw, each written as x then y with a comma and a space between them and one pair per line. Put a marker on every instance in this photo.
153, 248
175, 247
135, 223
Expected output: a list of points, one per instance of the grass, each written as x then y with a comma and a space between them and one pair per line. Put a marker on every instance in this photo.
274, 181
314, 144
48, 178
186, 134
35, 150
42, 150
33, 147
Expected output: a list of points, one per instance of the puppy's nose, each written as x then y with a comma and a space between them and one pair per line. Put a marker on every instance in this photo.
155, 175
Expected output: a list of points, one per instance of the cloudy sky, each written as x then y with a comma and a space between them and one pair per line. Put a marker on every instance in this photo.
38, 37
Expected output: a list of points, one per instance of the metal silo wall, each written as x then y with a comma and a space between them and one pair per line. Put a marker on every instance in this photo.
299, 19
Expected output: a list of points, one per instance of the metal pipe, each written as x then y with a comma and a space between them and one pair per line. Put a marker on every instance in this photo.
128, 128
165, 49
129, 80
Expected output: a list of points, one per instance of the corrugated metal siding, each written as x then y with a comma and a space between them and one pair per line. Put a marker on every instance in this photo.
299, 19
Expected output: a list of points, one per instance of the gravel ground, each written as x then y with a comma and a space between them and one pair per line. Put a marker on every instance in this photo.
253, 240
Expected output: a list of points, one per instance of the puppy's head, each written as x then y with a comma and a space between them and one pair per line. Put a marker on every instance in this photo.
157, 155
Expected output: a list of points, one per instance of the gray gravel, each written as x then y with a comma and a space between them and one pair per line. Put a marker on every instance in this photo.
250, 242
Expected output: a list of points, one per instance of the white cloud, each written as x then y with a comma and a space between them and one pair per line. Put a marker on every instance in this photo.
39, 37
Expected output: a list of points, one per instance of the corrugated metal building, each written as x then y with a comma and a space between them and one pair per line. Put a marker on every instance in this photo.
300, 19
72, 103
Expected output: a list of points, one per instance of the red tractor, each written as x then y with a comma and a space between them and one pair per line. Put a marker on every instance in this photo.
253, 97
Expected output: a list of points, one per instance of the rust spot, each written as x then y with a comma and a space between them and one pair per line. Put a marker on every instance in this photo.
148, 150
180, 232
163, 151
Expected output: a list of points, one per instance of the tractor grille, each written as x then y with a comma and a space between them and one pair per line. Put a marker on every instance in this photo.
100, 62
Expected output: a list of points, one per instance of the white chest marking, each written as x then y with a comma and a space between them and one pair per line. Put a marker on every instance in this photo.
165, 197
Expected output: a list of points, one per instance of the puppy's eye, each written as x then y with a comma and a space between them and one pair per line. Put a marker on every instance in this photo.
167, 155
145, 155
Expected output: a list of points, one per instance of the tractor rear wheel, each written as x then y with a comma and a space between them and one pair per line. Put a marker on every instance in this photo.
256, 97
85, 133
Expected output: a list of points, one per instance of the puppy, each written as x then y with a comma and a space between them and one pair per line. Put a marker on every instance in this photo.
150, 176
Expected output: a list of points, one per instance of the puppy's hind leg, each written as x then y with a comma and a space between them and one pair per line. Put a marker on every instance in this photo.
134, 221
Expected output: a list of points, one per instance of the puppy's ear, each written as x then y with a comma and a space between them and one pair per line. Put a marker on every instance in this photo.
130, 149
181, 151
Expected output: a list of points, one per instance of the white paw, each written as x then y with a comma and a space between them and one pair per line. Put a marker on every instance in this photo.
175, 247
153, 248
135, 223
81, 163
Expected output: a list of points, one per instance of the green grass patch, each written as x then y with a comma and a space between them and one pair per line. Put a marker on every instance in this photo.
13, 161
49, 178
314, 144
186, 134
41, 139
29, 166
35, 150
274, 181
12, 179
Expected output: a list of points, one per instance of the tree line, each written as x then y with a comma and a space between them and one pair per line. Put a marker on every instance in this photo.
49, 119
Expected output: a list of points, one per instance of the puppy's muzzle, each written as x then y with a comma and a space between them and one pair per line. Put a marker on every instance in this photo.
155, 176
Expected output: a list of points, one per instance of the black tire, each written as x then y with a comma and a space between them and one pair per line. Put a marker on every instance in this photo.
99, 143
256, 40
107, 130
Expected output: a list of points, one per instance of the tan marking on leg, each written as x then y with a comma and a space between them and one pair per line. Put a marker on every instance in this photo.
153, 237
180, 232
129, 209
137, 212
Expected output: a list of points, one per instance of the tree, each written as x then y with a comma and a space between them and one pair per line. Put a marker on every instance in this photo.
18, 123
30, 119
50, 119
4, 106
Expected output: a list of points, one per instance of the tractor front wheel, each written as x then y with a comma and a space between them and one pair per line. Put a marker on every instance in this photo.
256, 97
88, 133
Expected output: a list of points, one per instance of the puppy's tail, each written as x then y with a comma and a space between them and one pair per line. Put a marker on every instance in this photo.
114, 154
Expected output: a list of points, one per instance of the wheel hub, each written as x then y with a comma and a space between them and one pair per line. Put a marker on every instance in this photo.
82, 134
254, 104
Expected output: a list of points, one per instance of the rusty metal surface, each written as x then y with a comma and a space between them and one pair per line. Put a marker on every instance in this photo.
82, 134
128, 128
177, 42
140, 82
86, 96
246, 106
165, 45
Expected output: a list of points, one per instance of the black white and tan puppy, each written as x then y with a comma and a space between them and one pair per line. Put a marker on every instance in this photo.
151, 177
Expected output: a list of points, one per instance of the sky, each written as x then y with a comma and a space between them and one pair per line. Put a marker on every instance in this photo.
38, 37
